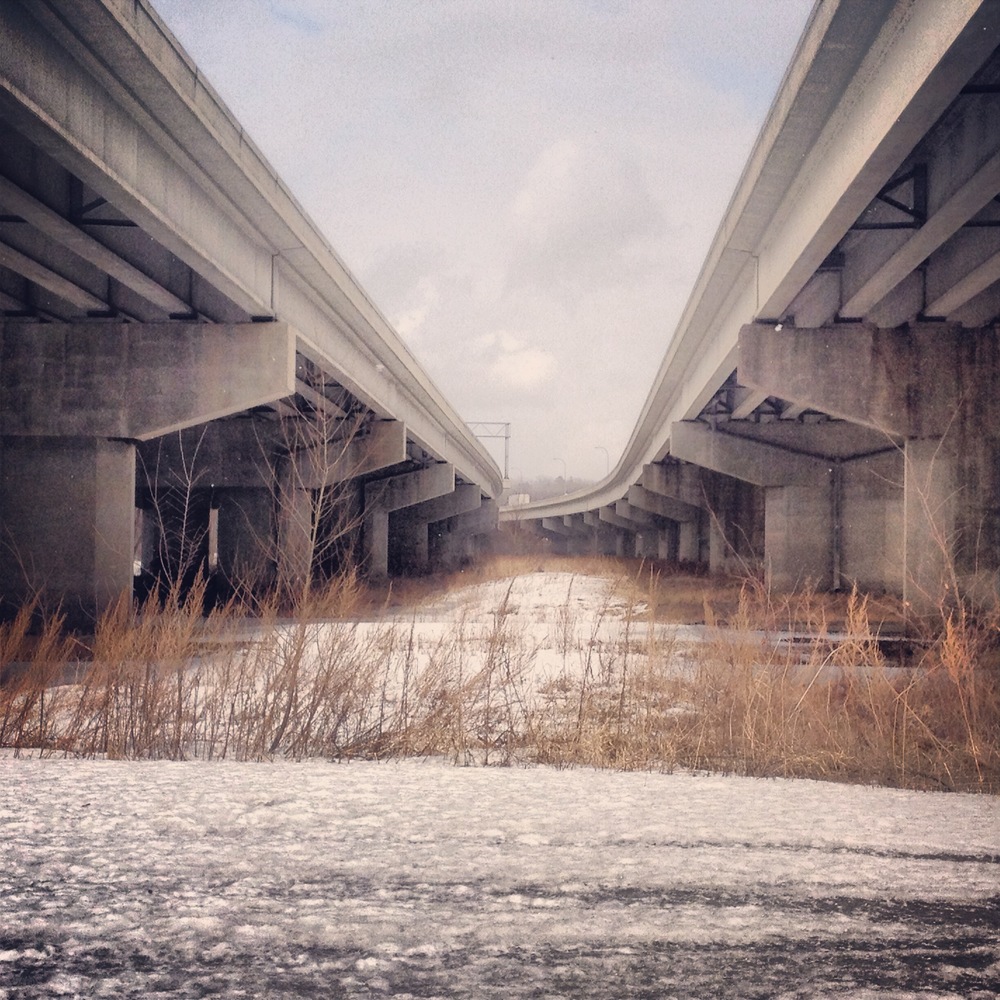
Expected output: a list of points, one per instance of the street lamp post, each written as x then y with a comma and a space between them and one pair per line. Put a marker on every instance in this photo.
565, 483
607, 458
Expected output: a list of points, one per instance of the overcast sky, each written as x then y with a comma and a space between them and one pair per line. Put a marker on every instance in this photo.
526, 188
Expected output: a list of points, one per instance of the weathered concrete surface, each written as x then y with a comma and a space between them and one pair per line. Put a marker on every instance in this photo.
749, 461
464, 536
383, 496
362, 451
68, 522
663, 506
911, 381
410, 527
855, 276
140, 381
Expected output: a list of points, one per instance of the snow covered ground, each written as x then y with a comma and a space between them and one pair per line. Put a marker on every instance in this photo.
418, 879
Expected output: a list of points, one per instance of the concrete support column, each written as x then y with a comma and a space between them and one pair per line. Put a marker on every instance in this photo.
246, 535
674, 490
689, 542
871, 522
931, 504
741, 474
295, 535
798, 536
626, 530
461, 537
384, 496
608, 540
68, 508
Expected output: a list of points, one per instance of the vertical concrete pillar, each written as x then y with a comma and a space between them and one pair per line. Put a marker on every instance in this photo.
295, 535
931, 499
667, 548
68, 521
411, 544
689, 542
385, 496
872, 522
798, 536
247, 535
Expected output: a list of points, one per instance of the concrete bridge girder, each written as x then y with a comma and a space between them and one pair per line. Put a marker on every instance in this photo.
644, 499
910, 382
365, 449
137, 381
750, 461
555, 526
610, 516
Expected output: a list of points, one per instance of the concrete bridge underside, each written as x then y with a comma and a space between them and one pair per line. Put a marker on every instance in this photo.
189, 376
827, 409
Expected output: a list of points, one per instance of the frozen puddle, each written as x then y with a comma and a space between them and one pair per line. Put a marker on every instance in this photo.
417, 879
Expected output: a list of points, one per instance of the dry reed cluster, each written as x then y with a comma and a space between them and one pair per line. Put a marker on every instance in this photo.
747, 697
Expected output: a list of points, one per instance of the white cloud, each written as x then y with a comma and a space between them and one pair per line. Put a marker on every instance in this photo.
519, 365
410, 322
526, 190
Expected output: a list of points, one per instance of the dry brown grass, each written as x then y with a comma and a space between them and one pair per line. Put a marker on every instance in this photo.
339, 680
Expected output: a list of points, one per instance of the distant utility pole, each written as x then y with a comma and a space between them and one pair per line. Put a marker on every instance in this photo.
494, 429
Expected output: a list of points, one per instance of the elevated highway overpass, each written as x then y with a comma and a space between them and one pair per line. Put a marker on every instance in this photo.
827, 408
188, 372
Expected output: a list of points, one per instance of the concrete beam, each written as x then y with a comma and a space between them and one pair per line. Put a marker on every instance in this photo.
743, 459
464, 499
610, 516
679, 482
378, 446
906, 381
556, 526
975, 193
825, 438
79, 298
640, 518
139, 381
410, 488
18, 202
229, 454
663, 506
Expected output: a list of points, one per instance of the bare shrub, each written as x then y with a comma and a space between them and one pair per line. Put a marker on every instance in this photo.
772, 688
